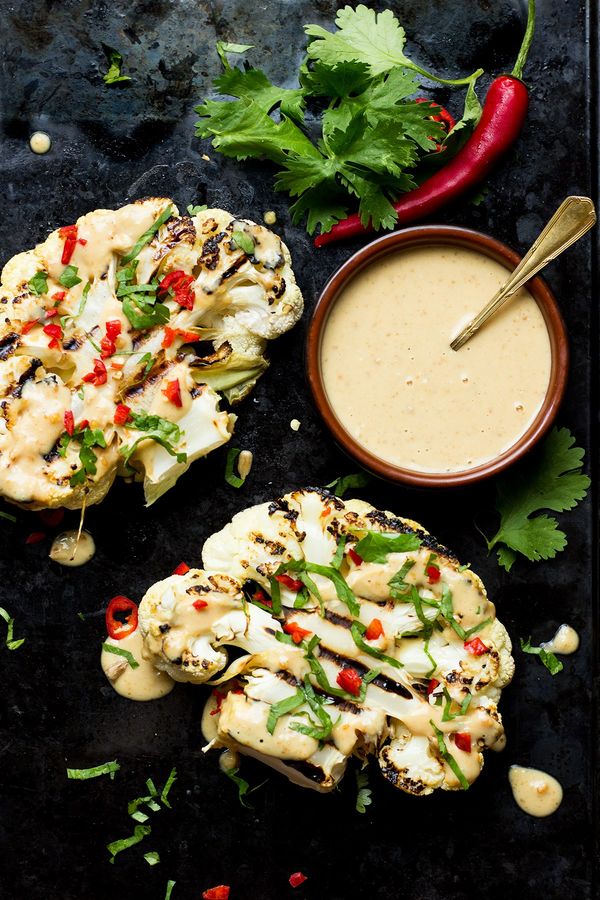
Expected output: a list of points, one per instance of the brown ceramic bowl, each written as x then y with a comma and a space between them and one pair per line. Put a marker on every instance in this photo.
418, 237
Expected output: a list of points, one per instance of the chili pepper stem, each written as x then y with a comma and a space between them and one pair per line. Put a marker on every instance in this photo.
517, 72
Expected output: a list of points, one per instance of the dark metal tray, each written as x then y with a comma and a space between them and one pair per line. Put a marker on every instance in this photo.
56, 707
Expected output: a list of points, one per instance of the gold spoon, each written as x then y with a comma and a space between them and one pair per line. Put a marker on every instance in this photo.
573, 218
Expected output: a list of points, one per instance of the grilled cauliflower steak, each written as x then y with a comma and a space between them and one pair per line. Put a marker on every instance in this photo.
103, 369
361, 635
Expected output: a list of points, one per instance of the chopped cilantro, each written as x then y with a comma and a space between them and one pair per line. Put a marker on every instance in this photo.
344, 483
11, 643
375, 546
551, 662
243, 241
115, 63
39, 283
363, 796
107, 768
69, 277
448, 758
139, 833
243, 787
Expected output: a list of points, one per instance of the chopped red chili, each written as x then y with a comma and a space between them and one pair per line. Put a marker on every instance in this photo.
296, 632
463, 741
182, 569
173, 392
433, 574
108, 343
261, 597
29, 325
122, 413
69, 234
219, 697
349, 680
220, 892
296, 879
199, 604
50, 313
98, 376
55, 334
188, 337
356, 559
121, 617
432, 686
374, 631
177, 284
35, 537
293, 584
59, 297
476, 647
69, 422
51, 517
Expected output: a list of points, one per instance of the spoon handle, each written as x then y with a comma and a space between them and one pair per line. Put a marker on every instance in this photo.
574, 217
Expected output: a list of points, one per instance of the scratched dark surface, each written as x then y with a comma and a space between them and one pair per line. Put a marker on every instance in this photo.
111, 145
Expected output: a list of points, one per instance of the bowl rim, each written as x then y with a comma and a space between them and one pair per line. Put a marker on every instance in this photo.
431, 235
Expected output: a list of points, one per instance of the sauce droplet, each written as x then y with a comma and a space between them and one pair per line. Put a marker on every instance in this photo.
229, 760
68, 551
142, 683
564, 642
40, 142
535, 792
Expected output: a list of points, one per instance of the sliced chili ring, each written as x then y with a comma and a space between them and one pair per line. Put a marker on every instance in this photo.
121, 617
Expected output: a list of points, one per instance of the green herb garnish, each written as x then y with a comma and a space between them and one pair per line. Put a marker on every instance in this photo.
69, 277
82, 303
551, 662
168, 785
115, 63
375, 547
282, 708
152, 857
357, 630
118, 651
39, 283
107, 768
398, 586
342, 589
363, 796
447, 716
243, 241
447, 756
244, 789
348, 483
147, 236
157, 429
87, 438
170, 886
224, 47
11, 643
194, 210
8, 516
139, 833
235, 480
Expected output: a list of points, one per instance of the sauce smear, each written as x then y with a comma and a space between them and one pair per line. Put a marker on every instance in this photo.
535, 792
143, 683
398, 388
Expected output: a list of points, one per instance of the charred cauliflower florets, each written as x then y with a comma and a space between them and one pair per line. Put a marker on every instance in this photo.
362, 636
102, 326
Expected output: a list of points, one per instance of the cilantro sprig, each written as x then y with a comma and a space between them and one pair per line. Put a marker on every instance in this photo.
88, 438
374, 137
554, 481
154, 428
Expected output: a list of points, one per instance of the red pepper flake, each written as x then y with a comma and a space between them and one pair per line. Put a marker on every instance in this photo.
177, 284
59, 297
117, 366
325, 512
168, 338
51, 518
69, 422
50, 313
433, 574
432, 686
293, 584
69, 234
98, 376
55, 334
188, 337
108, 343
374, 631
476, 647
356, 559
35, 537
182, 569
29, 325
296, 879
349, 680
121, 617
122, 413
463, 741
199, 604
296, 632
173, 393
219, 696
261, 597
221, 892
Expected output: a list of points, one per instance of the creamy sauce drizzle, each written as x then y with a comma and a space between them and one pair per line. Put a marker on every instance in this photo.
535, 792
67, 550
40, 142
398, 388
143, 683
564, 642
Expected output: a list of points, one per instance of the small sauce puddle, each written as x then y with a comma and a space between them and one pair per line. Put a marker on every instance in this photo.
536, 793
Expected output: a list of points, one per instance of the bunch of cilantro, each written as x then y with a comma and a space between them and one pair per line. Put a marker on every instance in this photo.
359, 90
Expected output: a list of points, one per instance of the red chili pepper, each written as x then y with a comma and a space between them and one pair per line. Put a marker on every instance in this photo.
122, 413
121, 617
182, 569
113, 329
349, 680
35, 537
69, 235
199, 604
221, 892
108, 343
356, 559
83, 425
173, 392
29, 325
168, 338
287, 581
476, 647
261, 597
433, 574
179, 283
50, 313
51, 518
296, 632
59, 297
432, 686
98, 376
55, 334
374, 631
463, 741
69, 422
442, 116
502, 119
296, 879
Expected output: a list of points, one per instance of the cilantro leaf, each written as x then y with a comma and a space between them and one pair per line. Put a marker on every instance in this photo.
375, 547
553, 664
253, 86
243, 787
363, 796
554, 482
225, 47
157, 429
344, 483
115, 62
341, 80
39, 283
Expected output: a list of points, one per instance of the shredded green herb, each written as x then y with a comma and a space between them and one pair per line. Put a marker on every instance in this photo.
82, 303
344, 483
157, 429
282, 708
8, 516
552, 663
243, 241
244, 789
115, 63
168, 785
139, 833
69, 277
194, 210
235, 480
357, 630
11, 643
39, 283
147, 236
107, 768
447, 756
118, 651
152, 857
376, 547
170, 886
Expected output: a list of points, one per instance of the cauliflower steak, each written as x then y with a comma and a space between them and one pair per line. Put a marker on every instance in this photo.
119, 337
360, 635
